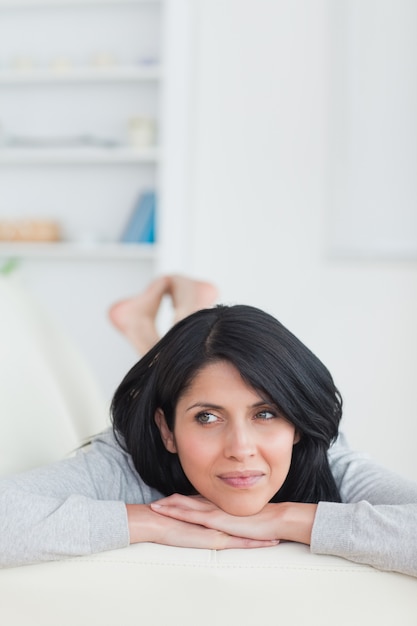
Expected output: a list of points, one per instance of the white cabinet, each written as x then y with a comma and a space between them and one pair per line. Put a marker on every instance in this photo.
75, 75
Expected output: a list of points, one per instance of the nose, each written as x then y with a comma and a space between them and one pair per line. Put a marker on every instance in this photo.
239, 442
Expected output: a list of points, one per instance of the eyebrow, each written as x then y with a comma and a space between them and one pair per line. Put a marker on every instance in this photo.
209, 405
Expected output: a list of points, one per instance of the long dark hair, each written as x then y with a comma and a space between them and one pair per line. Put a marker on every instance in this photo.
269, 358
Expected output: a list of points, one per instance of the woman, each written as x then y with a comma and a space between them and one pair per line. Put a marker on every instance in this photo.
223, 438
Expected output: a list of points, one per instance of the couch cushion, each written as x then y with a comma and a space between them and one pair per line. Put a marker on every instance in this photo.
158, 585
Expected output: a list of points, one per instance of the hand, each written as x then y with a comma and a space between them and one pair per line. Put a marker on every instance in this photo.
145, 524
291, 521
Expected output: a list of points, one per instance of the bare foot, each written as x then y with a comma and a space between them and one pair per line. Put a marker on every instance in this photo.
190, 295
136, 317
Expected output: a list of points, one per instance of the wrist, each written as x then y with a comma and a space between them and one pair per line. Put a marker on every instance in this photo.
141, 523
297, 520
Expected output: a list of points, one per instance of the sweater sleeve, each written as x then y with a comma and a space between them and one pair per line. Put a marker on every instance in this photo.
376, 523
73, 507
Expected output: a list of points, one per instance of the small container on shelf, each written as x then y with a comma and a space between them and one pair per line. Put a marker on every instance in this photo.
29, 230
23, 64
141, 132
104, 60
61, 65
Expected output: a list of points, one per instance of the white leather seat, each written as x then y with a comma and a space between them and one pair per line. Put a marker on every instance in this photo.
49, 399
159, 586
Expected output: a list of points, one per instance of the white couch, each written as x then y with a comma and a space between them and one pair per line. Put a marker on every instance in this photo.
157, 586
150, 584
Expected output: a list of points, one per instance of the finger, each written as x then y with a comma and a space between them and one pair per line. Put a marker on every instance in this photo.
184, 513
188, 535
215, 520
203, 538
184, 502
227, 542
191, 501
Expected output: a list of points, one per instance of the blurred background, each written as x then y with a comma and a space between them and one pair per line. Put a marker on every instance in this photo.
277, 140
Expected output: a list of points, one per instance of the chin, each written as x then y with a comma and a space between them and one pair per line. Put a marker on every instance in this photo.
242, 509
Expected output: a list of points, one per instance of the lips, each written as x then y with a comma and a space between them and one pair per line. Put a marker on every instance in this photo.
241, 480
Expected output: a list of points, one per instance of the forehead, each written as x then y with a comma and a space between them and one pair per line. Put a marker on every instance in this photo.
220, 378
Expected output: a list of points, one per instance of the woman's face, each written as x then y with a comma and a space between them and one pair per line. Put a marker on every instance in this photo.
234, 446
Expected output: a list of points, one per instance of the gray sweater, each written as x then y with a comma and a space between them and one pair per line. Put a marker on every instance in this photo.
77, 507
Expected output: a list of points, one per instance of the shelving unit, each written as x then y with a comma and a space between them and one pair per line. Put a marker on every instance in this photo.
25, 4
80, 251
54, 88
80, 74
77, 156
64, 99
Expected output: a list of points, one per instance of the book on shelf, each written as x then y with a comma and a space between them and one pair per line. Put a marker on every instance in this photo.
140, 227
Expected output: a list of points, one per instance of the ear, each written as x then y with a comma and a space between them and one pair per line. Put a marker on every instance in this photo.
297, 437
166, 435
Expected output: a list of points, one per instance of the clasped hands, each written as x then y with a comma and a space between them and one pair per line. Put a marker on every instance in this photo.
194, 522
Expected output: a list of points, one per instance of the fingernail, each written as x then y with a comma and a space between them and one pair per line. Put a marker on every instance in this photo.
154, 505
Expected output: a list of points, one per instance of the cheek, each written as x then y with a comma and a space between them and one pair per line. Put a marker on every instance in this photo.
194, 454
197, 468
279, 450
199, 457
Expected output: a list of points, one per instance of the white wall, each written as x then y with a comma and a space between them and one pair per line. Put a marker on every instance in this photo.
264, 141
262, 155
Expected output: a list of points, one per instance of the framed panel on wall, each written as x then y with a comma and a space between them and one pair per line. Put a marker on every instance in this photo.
372, 185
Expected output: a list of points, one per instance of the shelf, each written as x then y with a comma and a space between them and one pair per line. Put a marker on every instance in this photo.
78, 251
81, 75
77, 156
23, 4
